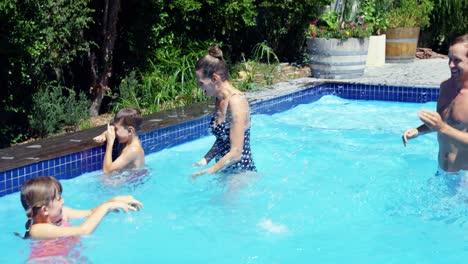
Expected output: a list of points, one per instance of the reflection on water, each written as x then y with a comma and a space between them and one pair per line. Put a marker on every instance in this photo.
58, 250
233, 184
128, 180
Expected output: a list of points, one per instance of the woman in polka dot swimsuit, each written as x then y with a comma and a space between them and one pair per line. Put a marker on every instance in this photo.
231, 121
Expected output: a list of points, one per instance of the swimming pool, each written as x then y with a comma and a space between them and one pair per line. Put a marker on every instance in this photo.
335, 185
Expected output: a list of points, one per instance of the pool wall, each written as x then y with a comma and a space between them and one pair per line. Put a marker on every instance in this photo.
88, 160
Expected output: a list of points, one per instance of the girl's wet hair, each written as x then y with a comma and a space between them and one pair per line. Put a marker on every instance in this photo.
129, 116
212, 63
35, 193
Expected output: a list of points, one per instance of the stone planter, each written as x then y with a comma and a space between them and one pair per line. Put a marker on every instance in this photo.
400, 45
336, 58
376, 54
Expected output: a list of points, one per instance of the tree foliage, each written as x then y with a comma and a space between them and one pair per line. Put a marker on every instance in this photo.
45, 36
282, 24
450, 21
39, 39
154, 43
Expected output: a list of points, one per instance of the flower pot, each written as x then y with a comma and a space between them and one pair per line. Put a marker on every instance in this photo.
401, 43
336, 58
376, 54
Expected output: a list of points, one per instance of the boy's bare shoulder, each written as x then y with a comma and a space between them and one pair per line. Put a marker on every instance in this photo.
133, 149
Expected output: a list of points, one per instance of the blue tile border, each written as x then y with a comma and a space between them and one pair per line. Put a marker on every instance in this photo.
75, 164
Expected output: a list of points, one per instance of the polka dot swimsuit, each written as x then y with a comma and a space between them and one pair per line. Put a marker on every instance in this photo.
223, 145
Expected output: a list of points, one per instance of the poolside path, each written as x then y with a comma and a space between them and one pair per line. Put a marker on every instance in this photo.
421, 72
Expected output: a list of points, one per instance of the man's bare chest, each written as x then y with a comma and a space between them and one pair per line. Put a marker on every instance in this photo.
456, 112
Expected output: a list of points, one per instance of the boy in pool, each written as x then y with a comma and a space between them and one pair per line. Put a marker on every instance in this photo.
42, 200
126, 124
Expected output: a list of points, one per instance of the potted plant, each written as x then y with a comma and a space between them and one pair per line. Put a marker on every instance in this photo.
375, 12
337, 42
406, 17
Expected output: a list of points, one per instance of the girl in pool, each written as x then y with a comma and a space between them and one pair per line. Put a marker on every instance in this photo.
231, 121
42, 199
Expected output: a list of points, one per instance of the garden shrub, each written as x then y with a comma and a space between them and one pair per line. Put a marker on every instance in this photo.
56, 108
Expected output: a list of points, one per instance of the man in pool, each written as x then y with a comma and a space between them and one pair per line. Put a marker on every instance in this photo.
451, 119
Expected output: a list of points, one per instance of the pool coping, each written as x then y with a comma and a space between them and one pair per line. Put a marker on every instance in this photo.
70, 155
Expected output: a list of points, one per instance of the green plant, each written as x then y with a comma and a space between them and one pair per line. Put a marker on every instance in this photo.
14, 122
75, 108
329, 26
264, 62
410, 13
246, 74
40, 41
263, 52
375, 13
47, 34
282, 23
129, 93
341, 23
85, 124
169, 82
55, 108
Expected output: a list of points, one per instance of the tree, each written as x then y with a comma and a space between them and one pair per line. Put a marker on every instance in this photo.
101, 67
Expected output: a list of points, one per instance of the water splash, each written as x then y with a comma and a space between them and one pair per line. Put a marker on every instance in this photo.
271, 227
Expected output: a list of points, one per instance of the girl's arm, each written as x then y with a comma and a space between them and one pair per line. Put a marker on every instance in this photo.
70, 213
87, 227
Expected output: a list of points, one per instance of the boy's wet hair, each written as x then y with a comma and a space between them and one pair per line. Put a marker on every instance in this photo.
129, 116
38, 192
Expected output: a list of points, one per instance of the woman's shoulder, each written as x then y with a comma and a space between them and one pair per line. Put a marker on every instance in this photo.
238, 98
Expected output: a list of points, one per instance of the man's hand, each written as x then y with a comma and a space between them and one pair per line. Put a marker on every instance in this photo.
432, 120
409, 133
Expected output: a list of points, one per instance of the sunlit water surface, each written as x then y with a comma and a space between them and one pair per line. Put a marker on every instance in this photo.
335, 185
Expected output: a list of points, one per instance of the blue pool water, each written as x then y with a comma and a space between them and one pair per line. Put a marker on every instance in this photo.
335, 185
